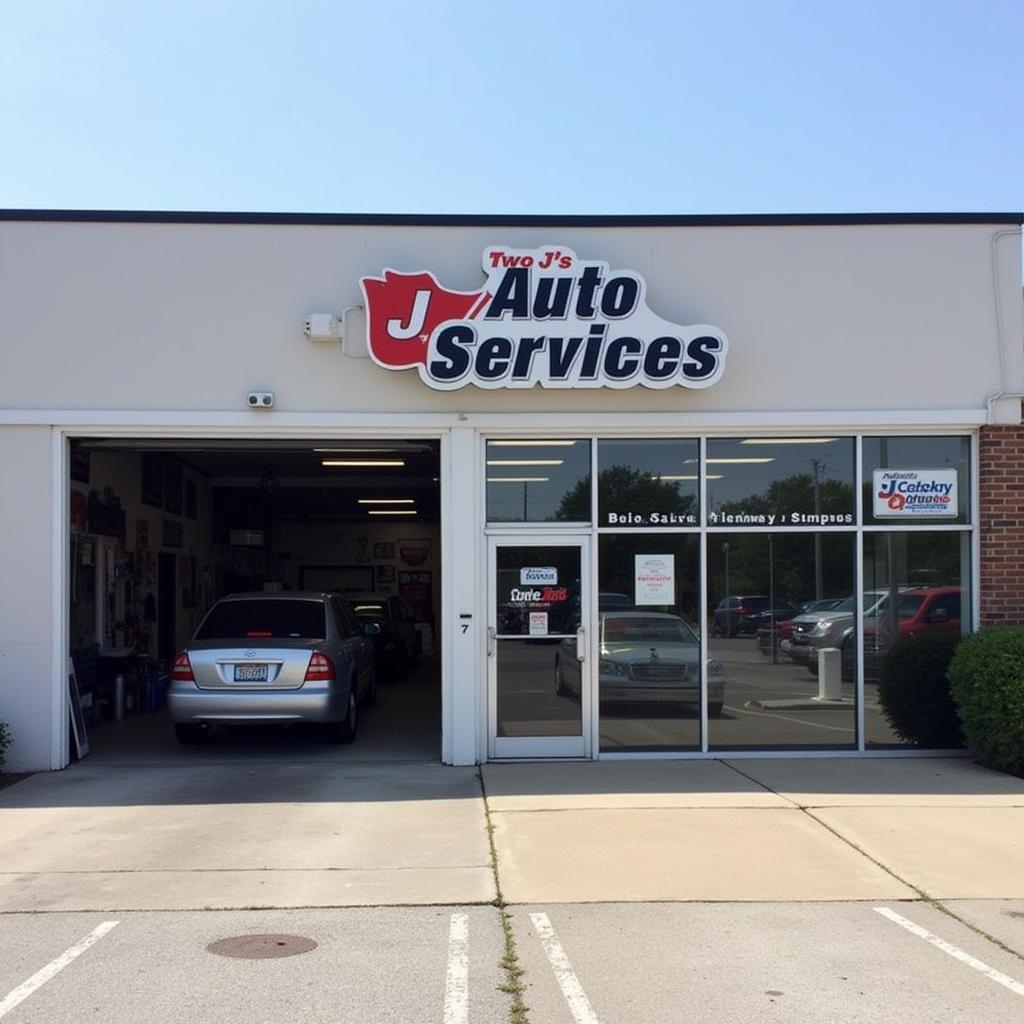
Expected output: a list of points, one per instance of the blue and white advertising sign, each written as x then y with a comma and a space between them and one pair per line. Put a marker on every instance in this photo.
920, 493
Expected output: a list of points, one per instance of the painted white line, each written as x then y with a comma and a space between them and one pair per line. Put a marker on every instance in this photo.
579, 1005
456, 984
990, 972
54, 967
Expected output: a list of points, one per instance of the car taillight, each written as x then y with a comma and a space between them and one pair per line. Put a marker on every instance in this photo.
321, 669
181, 670
742, 610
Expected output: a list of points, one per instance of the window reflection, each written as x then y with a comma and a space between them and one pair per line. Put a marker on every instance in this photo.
781, 616
647, 483
766, 482
538, 481
649, 643
914, 584
917, 453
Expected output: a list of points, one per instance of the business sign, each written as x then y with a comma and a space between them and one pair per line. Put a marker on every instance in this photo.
543, 316
533, 575
921, 493
654, 579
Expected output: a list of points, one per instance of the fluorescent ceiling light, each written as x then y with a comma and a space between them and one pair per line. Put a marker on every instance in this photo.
362, 462
530, 444
525, 462
737, 461
518, 479
391, 512
692, 476
386, 501
789, 440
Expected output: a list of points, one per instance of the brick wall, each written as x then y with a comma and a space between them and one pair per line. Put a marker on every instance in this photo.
1002, 525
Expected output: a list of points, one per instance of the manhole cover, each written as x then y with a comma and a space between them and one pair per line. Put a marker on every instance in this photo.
261, 947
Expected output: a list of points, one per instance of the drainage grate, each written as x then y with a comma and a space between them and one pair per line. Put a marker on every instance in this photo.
261, 947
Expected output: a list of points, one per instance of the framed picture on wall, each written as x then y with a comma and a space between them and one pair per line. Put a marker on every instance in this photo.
385, 574
173, 477
171, 533
384, 550
152, 481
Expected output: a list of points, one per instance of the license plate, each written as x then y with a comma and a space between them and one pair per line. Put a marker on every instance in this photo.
250, 673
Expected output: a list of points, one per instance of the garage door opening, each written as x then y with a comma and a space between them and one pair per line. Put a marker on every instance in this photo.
163, 530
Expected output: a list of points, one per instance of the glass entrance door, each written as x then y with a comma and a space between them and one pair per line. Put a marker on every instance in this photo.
538, 660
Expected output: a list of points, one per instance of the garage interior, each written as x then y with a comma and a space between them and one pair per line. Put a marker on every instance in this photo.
162, 529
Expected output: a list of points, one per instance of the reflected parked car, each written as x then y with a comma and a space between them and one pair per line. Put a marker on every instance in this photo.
746, 613
396, 641
918, 610
278, 658
645, 658
782, 630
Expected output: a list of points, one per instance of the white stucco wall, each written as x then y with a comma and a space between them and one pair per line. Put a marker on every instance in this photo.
26, 611
193, 316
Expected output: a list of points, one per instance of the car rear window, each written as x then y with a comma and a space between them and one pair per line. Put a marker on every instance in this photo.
233, 620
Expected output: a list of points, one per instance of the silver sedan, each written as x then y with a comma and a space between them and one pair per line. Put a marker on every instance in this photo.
274, 658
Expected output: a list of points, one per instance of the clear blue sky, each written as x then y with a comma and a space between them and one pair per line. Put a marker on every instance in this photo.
578, 106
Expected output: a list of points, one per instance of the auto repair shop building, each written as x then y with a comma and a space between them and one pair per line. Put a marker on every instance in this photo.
649, 486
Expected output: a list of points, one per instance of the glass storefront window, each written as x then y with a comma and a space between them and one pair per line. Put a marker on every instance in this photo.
788, 481
782, 624
915, 582
649, 482
916, 479
649, 642
538, 481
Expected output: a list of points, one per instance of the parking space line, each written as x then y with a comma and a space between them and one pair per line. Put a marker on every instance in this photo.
54, 967
456, 985
990, 972
579, 1005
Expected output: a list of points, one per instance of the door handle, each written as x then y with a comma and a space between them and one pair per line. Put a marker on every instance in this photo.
491, 634
581, 644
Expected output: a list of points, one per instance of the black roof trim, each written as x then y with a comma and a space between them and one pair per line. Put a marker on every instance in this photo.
503, 220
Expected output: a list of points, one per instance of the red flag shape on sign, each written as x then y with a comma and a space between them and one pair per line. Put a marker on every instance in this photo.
404, 309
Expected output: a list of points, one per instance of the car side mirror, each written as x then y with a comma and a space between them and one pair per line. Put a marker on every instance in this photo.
371, 629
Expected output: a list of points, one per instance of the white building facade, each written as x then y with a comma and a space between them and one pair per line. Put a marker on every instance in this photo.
661, 441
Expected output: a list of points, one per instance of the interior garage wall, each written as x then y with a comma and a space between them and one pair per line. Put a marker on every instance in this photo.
309, 544
121, 472
26, 610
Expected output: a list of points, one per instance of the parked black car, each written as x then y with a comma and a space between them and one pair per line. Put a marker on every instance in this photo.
745, 613
396, 642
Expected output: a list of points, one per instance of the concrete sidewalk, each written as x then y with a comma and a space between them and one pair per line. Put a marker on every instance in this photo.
232, 835
786, 829
241, 836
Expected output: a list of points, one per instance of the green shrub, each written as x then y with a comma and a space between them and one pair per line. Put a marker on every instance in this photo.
914, 691
5, 742
987, 676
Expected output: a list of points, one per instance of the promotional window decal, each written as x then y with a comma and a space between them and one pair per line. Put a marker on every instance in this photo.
922, 493
543, 316
655, 579
538, 623
538, 574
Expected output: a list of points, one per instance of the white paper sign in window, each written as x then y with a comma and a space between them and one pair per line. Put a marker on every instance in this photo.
916, 493
538, 623
655, 578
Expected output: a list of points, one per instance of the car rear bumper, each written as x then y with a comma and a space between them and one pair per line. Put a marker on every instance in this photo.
187, 703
